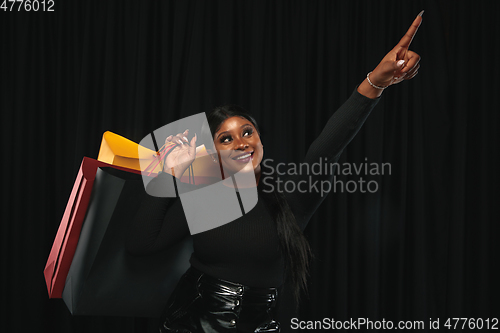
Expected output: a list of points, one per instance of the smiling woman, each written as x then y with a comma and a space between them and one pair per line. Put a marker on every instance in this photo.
238, 268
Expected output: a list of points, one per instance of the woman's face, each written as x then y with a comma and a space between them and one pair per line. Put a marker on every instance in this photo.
238, 145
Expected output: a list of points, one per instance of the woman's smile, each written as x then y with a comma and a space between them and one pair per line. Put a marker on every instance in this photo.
244, 157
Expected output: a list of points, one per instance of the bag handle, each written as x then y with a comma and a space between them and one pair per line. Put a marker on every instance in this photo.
160, 154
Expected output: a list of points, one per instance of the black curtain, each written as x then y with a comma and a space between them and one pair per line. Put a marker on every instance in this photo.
423, 245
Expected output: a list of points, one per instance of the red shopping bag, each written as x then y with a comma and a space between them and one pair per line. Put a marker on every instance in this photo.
64, 246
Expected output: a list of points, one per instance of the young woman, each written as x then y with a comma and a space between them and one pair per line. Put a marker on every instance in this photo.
237, 268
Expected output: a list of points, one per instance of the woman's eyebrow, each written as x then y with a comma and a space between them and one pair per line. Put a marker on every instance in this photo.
247, 124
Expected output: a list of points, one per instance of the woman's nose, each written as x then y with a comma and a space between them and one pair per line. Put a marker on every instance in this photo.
241, 144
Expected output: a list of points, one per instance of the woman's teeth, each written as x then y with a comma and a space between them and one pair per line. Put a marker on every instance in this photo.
243, 156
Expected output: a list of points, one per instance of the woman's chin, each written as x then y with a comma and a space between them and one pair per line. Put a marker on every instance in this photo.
242, 168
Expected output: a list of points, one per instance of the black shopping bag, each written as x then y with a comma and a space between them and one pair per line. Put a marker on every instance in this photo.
103, 278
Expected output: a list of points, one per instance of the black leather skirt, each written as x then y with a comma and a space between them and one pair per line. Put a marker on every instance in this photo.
201, 303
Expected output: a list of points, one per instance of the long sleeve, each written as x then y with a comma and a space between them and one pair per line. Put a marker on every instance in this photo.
340, 129
159, 222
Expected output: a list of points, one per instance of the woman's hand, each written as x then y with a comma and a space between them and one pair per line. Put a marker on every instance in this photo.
398, 65
181, 157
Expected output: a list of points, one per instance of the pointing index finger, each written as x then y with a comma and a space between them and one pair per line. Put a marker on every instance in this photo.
408, 37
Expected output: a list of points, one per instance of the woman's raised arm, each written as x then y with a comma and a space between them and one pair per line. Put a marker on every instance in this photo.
311, 188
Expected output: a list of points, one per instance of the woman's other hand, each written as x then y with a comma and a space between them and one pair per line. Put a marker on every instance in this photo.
181, 157
398, 65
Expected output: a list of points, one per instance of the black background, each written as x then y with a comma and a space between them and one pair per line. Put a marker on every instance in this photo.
423, 246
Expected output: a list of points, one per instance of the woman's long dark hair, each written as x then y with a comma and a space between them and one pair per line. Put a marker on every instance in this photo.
293, 244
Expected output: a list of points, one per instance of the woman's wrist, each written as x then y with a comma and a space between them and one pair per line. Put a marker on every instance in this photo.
178, 170
366, 89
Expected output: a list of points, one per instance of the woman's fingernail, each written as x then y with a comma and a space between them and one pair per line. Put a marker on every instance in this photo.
185, 138
400, 63
179, 141
421, 13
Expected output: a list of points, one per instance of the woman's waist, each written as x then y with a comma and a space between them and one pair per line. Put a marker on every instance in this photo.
208, 285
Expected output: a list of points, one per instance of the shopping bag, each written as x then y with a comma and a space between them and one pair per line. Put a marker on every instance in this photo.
64, 245
120, 151
104, 279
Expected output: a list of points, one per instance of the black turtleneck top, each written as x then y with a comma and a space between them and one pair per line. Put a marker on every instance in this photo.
246, 250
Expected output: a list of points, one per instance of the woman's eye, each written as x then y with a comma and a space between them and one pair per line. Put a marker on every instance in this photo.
228, 138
